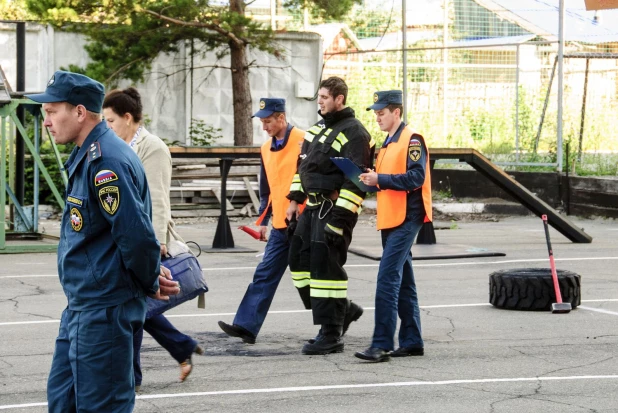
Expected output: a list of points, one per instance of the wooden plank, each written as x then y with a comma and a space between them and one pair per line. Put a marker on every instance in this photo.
212, 161
528, 199
216, 152
190, 170
254, 198
200, 200
201, 213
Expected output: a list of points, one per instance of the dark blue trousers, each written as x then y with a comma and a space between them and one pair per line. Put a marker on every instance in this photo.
179, 345
396, 290
260, 293
92, 367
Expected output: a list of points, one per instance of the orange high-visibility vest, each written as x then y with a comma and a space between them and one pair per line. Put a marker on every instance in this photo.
280, 169
393, 159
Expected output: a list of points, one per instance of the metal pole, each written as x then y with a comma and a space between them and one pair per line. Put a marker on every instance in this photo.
3, 127
560, 82
545, 103
273, 14
517, 108
404, 36
21, 87
445, 71
581, 125
37, 147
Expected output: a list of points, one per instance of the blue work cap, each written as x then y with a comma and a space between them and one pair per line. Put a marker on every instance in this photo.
268, 106
386, 97
73, 88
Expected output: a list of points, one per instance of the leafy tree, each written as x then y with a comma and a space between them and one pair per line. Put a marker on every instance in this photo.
14, 10
127, 35
374, 23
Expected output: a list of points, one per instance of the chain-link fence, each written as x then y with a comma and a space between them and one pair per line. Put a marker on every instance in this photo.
480, 76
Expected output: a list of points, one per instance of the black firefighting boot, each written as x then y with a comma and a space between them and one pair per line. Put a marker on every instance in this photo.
327, 342
352, 313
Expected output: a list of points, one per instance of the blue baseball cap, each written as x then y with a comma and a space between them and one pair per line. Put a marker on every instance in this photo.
73, 88
386, 97
268, 106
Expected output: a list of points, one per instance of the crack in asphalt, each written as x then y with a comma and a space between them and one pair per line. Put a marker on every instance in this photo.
449, 334
15, 300
535, 395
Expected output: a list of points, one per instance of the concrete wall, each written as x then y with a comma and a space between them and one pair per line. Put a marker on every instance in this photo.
583, 196
171, 96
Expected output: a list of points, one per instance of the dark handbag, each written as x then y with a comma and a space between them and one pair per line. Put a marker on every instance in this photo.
186, 270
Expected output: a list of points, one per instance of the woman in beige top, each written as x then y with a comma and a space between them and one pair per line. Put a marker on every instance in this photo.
122, 110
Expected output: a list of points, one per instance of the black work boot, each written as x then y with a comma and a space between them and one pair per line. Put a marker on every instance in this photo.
324, 345
237, 331
373, 354
326, 342
353, 312
316, 338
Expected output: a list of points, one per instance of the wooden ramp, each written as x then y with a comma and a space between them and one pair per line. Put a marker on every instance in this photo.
495, 174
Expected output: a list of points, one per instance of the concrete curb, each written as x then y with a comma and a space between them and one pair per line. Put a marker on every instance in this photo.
505, 208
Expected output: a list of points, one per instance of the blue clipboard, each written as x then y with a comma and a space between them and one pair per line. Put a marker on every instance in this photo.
352, 171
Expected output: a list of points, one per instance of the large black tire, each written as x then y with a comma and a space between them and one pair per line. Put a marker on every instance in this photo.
532, 289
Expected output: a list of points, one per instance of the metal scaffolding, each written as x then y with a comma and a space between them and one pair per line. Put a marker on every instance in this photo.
25, 223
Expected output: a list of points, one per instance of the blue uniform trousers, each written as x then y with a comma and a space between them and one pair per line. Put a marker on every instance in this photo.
260, 293
92, 366
396, 290
179, 345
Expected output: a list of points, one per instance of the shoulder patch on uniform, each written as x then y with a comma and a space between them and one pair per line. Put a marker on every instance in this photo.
94, 152
76, 220
414, 150
104, 176
415, 142
110, 199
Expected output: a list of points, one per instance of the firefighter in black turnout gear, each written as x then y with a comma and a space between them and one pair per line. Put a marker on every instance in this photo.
319, 246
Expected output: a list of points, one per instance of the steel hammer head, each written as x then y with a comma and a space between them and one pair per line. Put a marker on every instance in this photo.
561, 308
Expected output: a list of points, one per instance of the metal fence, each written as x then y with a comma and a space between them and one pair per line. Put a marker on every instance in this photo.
500, 99
475, 77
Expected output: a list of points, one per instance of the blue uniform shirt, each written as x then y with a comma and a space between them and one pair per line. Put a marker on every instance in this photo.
412, 180
108, 253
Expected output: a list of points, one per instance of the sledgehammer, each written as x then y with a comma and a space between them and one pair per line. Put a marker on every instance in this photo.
558, 307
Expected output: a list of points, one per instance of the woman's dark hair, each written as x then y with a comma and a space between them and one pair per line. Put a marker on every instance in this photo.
124, 101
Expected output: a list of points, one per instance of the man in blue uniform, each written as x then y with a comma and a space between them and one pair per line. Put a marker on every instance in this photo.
278, 165
403, 176
108, 255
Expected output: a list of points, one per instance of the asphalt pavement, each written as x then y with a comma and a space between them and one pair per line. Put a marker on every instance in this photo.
477, 358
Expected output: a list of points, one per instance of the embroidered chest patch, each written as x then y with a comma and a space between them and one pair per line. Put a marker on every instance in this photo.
414, 150
76, 220
105, 176
110, 199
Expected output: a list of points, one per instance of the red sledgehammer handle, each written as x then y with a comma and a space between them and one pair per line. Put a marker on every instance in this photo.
552, 264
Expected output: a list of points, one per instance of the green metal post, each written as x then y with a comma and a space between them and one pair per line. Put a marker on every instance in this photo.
38, 160
35, 201
65, 178
3, 125
8, 117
